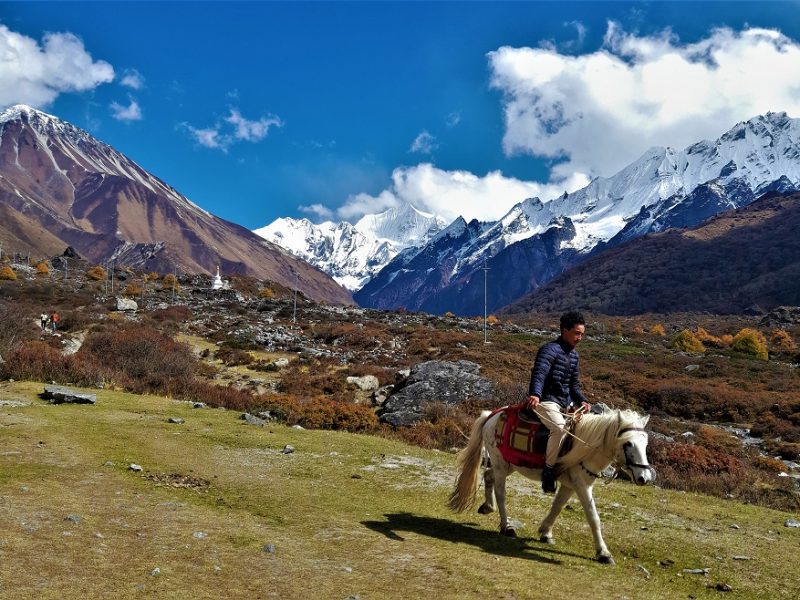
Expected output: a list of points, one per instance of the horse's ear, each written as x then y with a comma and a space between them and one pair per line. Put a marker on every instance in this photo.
646, 420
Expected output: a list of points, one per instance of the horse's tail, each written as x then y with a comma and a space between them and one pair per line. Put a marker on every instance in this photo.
469, 463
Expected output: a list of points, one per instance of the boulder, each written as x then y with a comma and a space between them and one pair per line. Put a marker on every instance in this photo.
127, 305
434, 381
59, 395
366, 383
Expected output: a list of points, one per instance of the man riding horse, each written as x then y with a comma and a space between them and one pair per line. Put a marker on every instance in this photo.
555, 388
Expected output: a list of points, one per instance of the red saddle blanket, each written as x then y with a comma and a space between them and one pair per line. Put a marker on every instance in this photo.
521, 442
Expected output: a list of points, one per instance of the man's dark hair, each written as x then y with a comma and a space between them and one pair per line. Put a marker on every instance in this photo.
572, 318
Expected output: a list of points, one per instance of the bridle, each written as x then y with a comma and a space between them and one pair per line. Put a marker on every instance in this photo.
628, 461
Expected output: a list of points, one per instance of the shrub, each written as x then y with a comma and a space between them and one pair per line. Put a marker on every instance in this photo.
322, 413
8, 274
726, 339
751, 342
449, 315
492, 320
266, 293
16, 325
169, 281
233, 357
173, 313
781, 341
37, 361
141, 359
658, 329
96, 273
686, 341
42, 268
151, 277
132, 290
707, 339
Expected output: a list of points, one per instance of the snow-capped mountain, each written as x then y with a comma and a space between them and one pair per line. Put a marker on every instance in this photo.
663, 188
60, 186
353, 254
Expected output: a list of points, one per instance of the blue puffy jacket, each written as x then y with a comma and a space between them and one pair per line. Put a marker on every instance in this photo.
555, 376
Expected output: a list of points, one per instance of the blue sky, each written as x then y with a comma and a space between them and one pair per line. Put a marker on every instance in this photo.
258, 110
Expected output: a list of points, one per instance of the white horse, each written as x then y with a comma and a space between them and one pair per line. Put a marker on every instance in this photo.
614, 436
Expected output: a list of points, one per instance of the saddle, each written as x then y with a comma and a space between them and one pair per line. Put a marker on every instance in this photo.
521, 438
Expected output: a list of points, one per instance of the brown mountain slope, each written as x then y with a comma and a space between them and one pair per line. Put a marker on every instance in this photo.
84, 193
737, 260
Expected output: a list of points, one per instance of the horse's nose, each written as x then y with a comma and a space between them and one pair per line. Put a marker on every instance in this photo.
640, 480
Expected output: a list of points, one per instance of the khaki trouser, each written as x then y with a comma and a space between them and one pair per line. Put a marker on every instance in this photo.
554, 420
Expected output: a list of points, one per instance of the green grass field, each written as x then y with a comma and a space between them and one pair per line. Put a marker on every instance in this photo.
346, 515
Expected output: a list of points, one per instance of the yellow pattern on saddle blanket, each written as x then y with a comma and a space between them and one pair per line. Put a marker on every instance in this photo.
517, 439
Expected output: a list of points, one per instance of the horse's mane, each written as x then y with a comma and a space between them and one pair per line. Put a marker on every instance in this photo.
599, 432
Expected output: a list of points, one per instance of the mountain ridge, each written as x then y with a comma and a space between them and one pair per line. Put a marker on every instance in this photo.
88, 195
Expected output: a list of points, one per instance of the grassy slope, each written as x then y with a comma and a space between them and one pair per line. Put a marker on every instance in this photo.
386, 534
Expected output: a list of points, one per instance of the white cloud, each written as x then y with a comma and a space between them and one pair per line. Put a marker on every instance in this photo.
36, 74
318, 210
209, 137
453, 119
455, 193
233, 128
132, 78
424, 143
251, 131
132, 112
602, 110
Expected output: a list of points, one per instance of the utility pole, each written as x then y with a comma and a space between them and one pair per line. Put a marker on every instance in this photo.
174, 281
294, 310
485, 270
66, 267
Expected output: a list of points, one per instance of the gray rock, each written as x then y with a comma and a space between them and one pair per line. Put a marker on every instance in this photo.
127, 305
198, 405
176, 420
434, 381
791, 523
266, 415
252, 420
200, 535
366, 383
155, 572
697, 571
269, 548
281, 362
380, 395
287, 449
57, 394
73, 518
135, 467
691, 368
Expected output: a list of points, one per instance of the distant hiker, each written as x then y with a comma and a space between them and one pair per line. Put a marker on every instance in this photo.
43, 320
555, 388
54, 320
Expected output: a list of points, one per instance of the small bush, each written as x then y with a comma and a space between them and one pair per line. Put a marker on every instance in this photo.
178, 314
96, 273
686, 341
266, 293
781, 341
233, 357
132, 290
42, 268
8, 274
751, 342
492, 320
322, 413
707, 339
169, 282
658, 329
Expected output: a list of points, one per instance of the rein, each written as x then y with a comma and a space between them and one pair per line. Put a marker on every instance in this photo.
628, 461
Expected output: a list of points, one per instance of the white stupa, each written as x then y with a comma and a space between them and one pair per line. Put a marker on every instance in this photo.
217, 284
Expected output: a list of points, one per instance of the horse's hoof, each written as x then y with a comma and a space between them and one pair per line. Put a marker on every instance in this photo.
548, 539
485, 509
508, 532
605, 560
